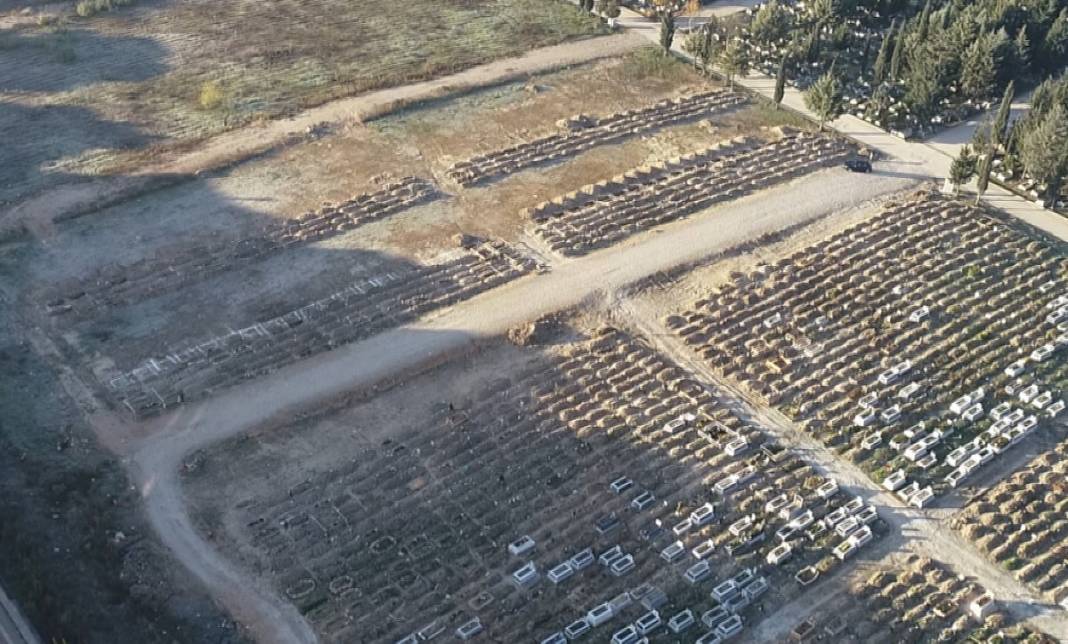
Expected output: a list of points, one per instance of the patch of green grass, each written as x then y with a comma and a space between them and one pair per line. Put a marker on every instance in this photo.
650, 62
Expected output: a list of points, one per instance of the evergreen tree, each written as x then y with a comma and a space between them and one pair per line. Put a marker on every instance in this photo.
824, 98
978, 75
982, 179
667, 29
710, 49
1055, 44
1044, 149
898, 55
962, 169
780, 83
771, 24
882, 59
1022, 51
922, 89
734, 59
924, 22
1001, 121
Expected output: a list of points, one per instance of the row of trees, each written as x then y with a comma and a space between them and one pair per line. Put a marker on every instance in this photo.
948, 49
1035, 144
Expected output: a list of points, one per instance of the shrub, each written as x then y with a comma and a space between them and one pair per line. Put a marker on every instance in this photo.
211, 96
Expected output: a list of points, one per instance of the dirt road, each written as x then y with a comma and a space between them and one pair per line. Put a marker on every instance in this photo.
156, 451
69, 200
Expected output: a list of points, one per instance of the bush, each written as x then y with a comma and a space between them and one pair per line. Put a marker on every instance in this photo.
211, 96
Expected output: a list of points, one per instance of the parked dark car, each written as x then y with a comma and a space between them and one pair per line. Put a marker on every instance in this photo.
858, 165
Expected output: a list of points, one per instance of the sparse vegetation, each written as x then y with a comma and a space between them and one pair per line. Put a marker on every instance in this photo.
210, 97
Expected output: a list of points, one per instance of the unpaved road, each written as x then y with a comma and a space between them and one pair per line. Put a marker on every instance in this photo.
155, 451
39, 212
926, 531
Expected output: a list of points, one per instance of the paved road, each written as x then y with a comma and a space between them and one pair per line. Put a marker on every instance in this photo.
14, 629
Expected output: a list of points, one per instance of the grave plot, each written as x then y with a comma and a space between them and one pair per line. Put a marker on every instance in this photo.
1022, 523
605, 213
920, 344
598, 489
581, 132
919, 601
355, 313
150, 277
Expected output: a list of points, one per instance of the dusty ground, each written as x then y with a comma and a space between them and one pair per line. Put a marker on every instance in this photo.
85, 96
242, 200
78, 555
420, 141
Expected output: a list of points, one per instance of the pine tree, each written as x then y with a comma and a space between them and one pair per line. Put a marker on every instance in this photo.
710, 48
882, 59
824, 98
924, 22
962, 169
771, 23
734, 59
982, 179
978, 75
1001, 121
1055, 44
922, 88
780, 83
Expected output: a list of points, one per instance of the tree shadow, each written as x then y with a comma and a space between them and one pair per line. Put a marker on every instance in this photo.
37, 66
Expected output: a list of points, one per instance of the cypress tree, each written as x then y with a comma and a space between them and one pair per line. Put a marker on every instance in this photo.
882, 59
780, 83
896, 58
1001, 121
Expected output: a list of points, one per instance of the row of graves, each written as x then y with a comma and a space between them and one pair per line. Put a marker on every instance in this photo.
582, 132
600, 494
921, 343
609, 211
181, 266
365, 308
1022, 524
918, 600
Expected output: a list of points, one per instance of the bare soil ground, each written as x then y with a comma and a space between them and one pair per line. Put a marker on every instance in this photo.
231, 205
97, 95
78, 555
421, 141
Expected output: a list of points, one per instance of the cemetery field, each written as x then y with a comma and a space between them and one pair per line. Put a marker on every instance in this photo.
612, 350
579, 481
372, 226
907, 597
919, 344
101, 94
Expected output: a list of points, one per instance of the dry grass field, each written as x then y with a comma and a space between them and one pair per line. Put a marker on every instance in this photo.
96, 95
